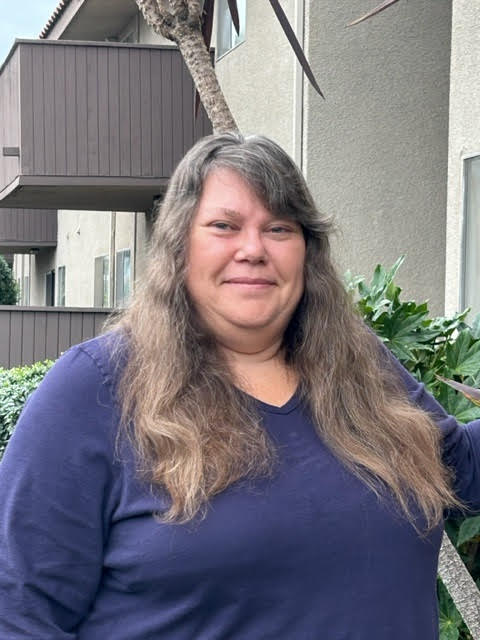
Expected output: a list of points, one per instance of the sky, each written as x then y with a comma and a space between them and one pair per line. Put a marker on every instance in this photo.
22, 20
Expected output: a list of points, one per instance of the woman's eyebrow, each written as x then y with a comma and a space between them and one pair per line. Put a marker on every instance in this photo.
225, 211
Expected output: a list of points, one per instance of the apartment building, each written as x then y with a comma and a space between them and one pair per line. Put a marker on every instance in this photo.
392, 153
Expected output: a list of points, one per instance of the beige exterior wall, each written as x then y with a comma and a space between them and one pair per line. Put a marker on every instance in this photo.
376, 149
35, 267
464, 133
259, 76
82, 236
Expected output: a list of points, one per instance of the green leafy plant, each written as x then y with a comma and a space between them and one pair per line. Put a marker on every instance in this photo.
438, 351
8, 286
15, 387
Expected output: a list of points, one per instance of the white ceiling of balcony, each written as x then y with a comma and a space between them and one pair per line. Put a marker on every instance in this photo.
93, 19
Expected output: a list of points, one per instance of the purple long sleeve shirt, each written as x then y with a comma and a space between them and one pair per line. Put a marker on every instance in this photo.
309, 554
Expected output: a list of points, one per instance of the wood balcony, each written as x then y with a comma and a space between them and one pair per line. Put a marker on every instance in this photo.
93, 125
27, 230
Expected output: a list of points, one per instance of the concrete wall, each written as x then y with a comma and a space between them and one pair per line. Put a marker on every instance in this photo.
464, 133
260, 77
376, 149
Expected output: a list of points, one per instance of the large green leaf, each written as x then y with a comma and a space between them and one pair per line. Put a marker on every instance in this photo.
449, 618
463, 355
469, 529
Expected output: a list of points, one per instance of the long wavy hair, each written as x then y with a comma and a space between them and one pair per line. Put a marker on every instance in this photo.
193, 431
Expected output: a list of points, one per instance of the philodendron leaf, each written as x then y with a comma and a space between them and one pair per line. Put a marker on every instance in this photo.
469, 392
448, 629
469, 529
476, 327
463, 356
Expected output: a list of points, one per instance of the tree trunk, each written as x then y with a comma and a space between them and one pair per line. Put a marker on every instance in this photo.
460, 586
180, 21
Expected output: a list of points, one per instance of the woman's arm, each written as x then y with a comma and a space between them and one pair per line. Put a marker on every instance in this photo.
56, 493
460, 442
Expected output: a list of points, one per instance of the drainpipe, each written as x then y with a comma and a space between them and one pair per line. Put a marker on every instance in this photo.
298, 82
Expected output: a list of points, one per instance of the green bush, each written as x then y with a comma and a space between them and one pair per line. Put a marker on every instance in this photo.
426, 346
15, 387
8, 286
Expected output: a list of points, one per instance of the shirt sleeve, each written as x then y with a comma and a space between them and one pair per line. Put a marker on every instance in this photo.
460, 442
56, 492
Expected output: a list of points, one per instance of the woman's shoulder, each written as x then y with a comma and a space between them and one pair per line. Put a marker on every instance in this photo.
99, 360
79, 389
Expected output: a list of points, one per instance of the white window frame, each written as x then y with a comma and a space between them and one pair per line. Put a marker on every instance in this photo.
229, 40
467, 250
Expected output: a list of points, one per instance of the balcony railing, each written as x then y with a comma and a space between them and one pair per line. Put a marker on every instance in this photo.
27, 230
93, 125
30, 334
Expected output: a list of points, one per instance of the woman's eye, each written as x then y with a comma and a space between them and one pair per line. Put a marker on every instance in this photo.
279, 229
223, 226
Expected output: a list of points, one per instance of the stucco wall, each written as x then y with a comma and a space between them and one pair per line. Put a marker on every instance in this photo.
464, 134
259, 76
82, 236
376, 149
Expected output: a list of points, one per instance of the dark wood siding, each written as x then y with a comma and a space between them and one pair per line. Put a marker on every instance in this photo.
30, 334
9, 121
101, 116
25, 229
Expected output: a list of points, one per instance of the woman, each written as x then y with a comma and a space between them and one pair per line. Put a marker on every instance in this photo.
238, 458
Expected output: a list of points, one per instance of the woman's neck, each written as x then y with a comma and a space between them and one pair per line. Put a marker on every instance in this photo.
263, 374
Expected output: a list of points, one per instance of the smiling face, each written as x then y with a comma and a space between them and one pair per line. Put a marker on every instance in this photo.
244, 265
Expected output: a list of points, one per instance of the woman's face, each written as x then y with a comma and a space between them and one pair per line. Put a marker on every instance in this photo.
244, 264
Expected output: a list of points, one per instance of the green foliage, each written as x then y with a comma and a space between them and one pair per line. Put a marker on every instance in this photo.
449, 618
15, 387
428, 346
8, 286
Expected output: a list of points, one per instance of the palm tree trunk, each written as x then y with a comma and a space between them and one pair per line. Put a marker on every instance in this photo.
198, 62
460, 586
180, 21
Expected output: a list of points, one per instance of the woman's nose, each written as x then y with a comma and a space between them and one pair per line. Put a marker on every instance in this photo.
251, 247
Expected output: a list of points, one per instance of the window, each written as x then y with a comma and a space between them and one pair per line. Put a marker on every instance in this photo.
101, 292
61, 287
471, 236
227, 37
50, 288
122, 278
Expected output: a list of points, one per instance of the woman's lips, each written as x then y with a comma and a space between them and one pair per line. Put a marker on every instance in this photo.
250, 281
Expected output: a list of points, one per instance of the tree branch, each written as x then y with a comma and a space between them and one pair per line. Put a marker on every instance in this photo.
460, 585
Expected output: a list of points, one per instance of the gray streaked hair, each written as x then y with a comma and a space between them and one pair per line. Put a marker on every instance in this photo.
193, 431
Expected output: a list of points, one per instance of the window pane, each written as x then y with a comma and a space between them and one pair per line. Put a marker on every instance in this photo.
471, 257
122, 284
61, 287
226, 35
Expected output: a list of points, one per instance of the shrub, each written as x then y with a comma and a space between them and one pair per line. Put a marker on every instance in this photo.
427, 346
15, 387
8, 286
